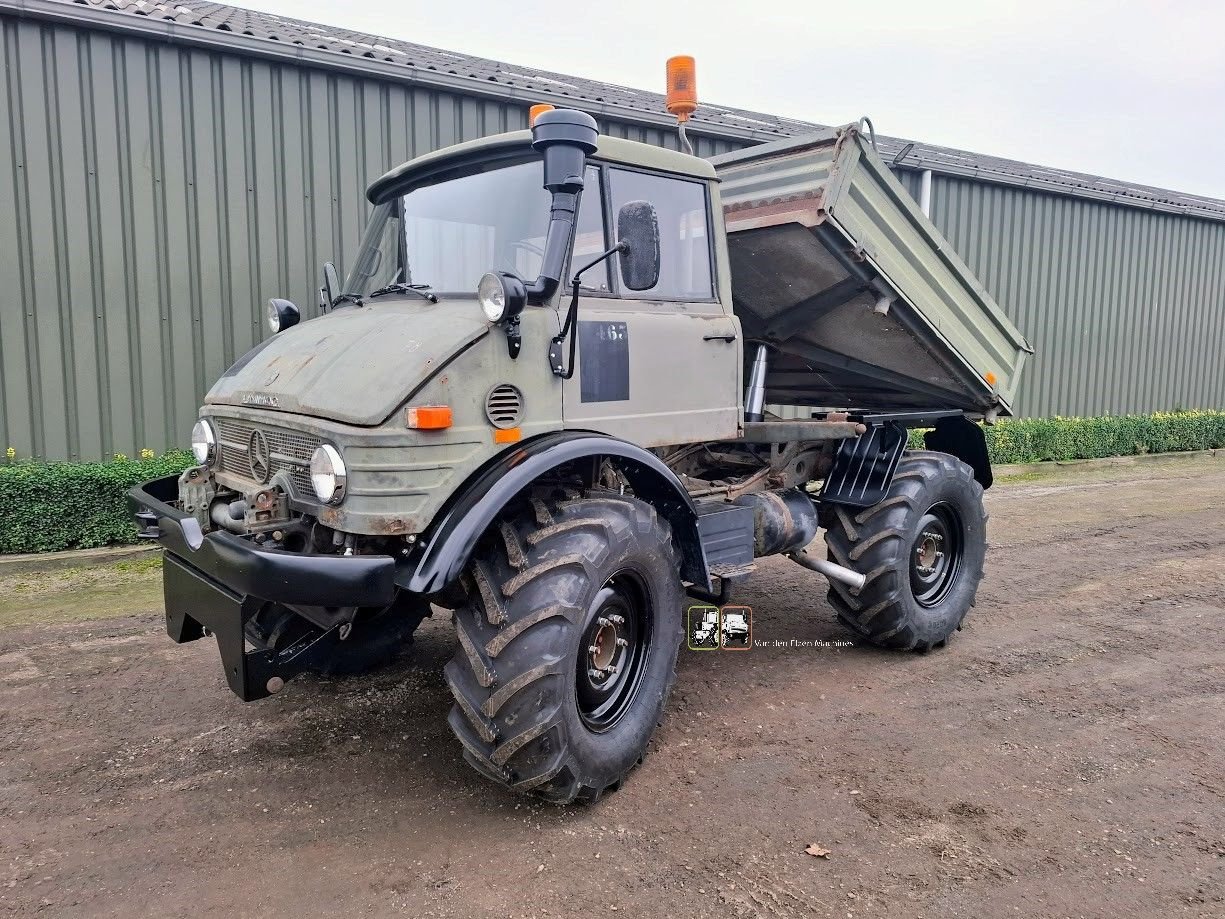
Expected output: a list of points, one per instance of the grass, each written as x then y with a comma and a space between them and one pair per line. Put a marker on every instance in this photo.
82, 594
1021, 478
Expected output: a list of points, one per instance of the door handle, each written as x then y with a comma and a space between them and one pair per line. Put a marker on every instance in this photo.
726, 336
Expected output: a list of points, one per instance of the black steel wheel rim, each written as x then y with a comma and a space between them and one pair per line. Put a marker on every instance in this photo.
936, 554
613, 654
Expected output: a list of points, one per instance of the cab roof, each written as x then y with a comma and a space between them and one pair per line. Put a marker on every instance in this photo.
608, 150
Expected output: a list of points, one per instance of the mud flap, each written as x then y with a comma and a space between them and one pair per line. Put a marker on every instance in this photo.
965, 440
863, 468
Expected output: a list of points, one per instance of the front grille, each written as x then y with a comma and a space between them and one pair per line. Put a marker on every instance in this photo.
291, 451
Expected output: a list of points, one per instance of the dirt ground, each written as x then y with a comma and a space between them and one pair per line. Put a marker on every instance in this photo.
1064, 756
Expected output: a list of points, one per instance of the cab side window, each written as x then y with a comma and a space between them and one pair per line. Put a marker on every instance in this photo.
684, 244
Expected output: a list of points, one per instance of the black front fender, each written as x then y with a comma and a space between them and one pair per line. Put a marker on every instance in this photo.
447, 545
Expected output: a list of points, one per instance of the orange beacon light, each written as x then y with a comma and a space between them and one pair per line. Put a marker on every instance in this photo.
682, 98
536, 111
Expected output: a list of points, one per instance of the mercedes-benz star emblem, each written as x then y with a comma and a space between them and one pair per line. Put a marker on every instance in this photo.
259, 456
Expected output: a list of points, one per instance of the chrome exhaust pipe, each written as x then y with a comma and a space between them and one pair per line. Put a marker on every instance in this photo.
831, 570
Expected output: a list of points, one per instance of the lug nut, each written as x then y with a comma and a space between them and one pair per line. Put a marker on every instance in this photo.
602, 622
617, 620
595, 674
621, 642
593, 650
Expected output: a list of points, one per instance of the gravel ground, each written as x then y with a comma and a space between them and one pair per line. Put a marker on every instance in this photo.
1064, 756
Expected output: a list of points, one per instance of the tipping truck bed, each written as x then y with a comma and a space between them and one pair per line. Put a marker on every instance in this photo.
862, 301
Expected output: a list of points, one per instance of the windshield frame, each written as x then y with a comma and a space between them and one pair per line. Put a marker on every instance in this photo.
485, 161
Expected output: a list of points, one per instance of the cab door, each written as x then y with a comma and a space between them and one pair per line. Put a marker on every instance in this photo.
658, 366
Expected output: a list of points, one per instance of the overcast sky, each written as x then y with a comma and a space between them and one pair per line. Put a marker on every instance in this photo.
1132, 91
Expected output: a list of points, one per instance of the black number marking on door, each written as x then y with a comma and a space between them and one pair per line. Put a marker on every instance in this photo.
604, 363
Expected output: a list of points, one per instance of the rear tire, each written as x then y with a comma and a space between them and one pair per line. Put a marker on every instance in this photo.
548, 700
922, 550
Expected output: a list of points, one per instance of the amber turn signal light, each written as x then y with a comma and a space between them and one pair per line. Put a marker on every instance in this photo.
536, 111
429, 417
682, 98
507, 435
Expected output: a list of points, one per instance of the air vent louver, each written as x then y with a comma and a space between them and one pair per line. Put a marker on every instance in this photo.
504, 406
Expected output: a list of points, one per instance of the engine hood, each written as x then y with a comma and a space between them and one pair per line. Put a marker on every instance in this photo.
354, 365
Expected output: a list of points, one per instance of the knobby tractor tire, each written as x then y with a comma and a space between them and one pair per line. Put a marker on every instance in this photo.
933, 511
542, 581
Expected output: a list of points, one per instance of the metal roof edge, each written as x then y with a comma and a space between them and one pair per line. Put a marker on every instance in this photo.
80, 15
1052, 186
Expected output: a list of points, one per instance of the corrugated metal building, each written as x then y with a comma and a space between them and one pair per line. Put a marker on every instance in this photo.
175, 164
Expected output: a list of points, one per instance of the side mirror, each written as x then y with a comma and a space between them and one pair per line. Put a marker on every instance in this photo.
330, 288
638, 228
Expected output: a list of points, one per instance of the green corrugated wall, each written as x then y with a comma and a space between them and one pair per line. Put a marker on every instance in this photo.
1125, 306
160, 194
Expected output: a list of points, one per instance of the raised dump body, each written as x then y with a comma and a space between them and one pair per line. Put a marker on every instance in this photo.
863, 303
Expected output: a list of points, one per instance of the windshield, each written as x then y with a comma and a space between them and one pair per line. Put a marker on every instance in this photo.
450, 233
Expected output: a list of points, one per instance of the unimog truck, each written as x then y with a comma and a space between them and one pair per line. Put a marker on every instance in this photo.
538, 400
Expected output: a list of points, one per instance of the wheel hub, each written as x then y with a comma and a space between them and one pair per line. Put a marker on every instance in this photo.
935, 555
605, 647
614, 650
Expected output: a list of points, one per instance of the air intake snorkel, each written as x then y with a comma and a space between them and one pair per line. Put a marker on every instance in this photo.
565, 138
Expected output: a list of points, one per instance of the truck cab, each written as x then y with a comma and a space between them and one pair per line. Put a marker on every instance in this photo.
351, 378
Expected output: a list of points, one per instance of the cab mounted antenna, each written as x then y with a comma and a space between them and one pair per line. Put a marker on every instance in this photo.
682, 98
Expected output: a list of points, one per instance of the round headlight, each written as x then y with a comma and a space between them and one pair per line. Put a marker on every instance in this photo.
491, 294
282, 314
328, 474
203, 442
502, 296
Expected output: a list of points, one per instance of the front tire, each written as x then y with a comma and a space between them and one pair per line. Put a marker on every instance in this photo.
922, 550
567, 645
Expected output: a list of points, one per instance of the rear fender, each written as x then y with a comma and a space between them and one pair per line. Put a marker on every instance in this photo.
965, 440
446, 547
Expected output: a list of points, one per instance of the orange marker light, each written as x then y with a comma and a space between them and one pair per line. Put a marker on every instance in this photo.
990, 378
682, 98
429, 417
536, 111
507, 435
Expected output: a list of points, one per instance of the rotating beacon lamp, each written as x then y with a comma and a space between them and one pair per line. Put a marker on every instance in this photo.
682, 98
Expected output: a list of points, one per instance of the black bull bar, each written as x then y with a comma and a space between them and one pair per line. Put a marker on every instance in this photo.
216, 582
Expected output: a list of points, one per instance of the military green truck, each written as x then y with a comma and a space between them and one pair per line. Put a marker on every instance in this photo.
538, 399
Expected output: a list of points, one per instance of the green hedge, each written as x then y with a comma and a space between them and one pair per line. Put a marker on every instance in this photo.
1036, 440
50, 506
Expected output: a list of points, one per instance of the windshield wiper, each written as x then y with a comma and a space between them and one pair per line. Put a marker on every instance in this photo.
421, 290
347, 298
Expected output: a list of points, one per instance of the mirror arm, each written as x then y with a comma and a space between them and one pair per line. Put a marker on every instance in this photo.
619, 247
566, 371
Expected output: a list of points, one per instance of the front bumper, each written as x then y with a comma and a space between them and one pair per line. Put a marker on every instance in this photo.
218, 581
